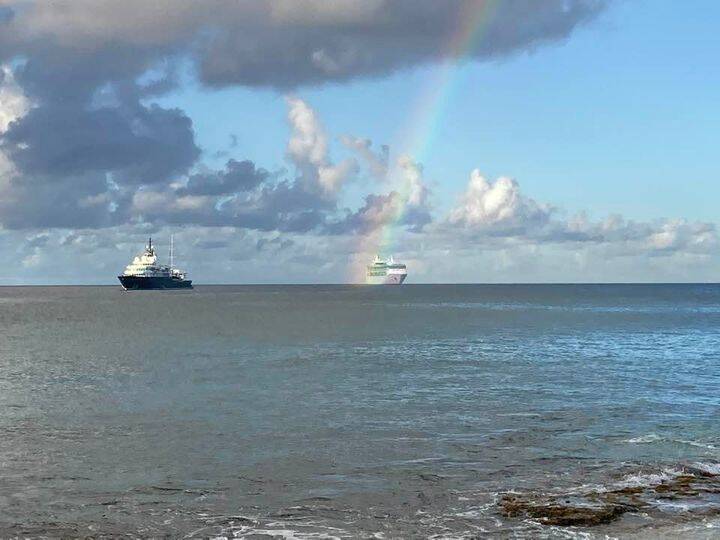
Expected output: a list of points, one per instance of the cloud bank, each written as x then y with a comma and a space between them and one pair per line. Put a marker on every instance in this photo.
83, 146
498, 210
88, 161
278, 43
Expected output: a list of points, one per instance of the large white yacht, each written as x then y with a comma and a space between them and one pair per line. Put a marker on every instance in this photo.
145, 273
385, 272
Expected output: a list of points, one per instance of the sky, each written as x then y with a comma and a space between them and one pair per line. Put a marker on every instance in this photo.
289, 141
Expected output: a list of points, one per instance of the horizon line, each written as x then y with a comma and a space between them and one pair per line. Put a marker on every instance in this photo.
338, 284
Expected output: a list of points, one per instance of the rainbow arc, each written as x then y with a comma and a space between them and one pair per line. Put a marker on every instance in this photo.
420, 132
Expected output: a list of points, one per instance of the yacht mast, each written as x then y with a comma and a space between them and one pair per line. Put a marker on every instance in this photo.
171, 251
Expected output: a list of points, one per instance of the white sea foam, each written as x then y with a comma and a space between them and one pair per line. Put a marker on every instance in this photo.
654, 437
306, 529
648, 479
641, 479
698, 444
709, 468
287, 534
674, 506
564, 532
645, 439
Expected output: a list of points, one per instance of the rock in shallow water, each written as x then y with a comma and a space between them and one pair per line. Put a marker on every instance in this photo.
557, 513
604, 506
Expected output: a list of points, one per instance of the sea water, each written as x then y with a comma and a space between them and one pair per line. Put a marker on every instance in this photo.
355, 411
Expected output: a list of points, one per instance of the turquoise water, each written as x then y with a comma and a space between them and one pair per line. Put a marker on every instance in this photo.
333, 411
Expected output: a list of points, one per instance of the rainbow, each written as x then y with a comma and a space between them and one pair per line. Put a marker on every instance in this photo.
420, 132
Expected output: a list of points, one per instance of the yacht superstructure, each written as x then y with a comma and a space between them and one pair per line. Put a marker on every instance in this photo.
145, 273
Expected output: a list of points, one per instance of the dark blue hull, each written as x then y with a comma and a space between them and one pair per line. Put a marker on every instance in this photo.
136, 283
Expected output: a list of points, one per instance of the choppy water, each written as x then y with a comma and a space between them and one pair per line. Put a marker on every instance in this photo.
331, 411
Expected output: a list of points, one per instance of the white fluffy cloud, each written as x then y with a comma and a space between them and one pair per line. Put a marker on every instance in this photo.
308, 141
497, 204
13, 105
488, 211
308, 149
413, 183
679, 234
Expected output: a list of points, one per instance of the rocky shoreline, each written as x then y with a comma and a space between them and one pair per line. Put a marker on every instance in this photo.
695, 486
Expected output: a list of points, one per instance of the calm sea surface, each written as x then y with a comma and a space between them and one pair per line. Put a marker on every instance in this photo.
345, 412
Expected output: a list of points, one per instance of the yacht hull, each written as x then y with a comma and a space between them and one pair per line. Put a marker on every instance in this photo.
390, 279
144, 283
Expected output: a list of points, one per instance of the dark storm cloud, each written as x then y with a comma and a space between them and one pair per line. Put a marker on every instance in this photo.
69, 202
237, 176
279, 43
75, 164
82, 136
310, 42
136, 144
284, 205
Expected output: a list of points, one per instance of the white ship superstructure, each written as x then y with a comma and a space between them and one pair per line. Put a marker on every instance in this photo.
385, 272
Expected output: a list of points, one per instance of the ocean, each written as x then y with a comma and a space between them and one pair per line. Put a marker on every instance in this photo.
420, 411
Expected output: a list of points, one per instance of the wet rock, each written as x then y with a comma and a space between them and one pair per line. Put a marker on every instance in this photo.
567, 515
697, 472
628, 490
603, 506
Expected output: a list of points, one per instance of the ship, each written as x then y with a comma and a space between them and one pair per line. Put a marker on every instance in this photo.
144, 272
385, 272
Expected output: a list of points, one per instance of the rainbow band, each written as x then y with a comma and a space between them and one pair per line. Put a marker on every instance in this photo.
429, 109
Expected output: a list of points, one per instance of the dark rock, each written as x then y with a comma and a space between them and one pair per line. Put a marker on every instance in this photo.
563, 515
601, 507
